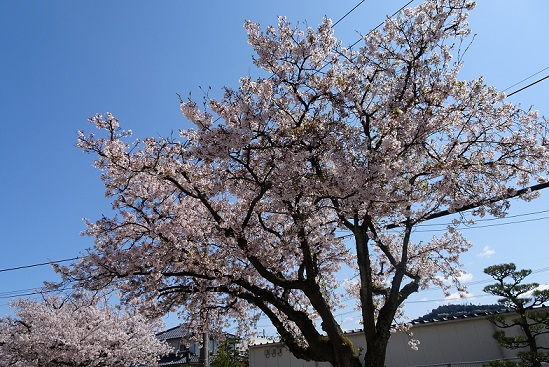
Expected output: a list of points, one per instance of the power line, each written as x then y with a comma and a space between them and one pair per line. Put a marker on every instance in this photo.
417, 231
39, 264
30, 292
525, 79
437, 288
464, 208
338, 21
408, 3
14, 293
486, 225
404, 6
446, 299
487, 219
382, 23
411, 1
528, 86
371, 30
471, 226
349, 12
481, 281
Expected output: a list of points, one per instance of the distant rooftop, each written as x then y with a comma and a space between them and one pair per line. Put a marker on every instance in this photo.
177, 332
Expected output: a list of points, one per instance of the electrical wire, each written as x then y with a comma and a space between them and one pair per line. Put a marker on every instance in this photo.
417, 231
467, 284
486, 219
382, 23
408, 3
361, 38
39, 264
485, 226
349, 12
29, 292
528, 86
525, 79
8, 294
482, 281
446, 299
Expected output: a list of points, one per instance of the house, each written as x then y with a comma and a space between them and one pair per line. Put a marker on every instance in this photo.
443, 342
186, 352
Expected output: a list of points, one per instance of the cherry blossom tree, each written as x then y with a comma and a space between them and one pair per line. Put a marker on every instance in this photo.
326, 164
78, 332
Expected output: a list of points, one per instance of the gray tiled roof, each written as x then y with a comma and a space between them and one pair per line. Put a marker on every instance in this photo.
173, 333
177, 333
172, 362
432, 321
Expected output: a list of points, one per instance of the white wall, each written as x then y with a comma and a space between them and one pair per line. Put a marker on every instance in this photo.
461, 340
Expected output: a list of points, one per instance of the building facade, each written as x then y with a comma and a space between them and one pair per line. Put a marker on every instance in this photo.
187, 351
448, 341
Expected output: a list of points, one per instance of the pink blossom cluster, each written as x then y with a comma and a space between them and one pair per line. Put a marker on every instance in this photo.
78, 332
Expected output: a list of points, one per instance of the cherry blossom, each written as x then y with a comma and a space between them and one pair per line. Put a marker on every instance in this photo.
327, 164
77, 332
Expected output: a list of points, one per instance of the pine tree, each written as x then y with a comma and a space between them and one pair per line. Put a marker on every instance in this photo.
521, 298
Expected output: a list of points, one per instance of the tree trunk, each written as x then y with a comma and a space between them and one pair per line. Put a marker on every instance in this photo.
532, 343
346, 360
375, 353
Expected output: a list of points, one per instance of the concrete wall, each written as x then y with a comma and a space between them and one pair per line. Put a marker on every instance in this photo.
467, 339
278, 356
462, 340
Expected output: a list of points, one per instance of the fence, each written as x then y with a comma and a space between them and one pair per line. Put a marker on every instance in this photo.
470, 364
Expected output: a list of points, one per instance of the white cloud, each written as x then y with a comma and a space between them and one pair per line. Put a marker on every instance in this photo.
458, 297
540, 288
351, 323
487, 251
465, 277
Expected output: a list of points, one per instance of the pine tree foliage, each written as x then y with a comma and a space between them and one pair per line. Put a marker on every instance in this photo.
522, 298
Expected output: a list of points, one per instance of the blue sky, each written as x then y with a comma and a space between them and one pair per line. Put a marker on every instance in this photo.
63, 61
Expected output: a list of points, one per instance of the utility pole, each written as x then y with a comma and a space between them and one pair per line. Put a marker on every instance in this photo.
205, 350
